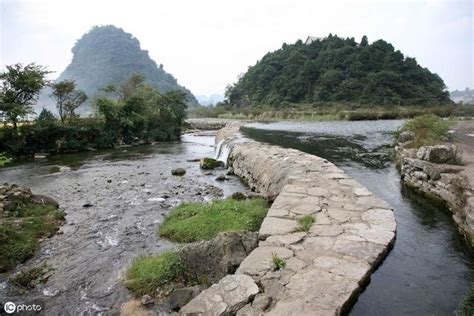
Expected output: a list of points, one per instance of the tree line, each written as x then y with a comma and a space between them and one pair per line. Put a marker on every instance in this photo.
127, 112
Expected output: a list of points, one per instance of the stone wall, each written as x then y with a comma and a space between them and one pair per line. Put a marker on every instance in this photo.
325, 267
427, 170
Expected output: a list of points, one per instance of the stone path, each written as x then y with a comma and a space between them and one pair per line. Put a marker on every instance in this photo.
325, 267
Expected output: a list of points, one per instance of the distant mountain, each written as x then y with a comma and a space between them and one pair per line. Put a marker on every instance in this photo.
335, 69
107, 54
463, 96
210, 99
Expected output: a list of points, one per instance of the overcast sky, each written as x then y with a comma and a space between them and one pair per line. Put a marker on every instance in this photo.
206, 44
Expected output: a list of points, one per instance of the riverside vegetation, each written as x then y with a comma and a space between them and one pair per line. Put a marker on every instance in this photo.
126, 113
189, 222
25, 219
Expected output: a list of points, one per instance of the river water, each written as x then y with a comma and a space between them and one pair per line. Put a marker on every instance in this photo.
127, 191
430, 266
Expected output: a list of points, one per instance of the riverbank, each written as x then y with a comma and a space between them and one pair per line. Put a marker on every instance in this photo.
431, 171
327, 112
351, 233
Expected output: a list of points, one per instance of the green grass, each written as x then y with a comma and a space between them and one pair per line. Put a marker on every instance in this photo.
466, 306
30, 277
190, 222
429, 129
21, 230
147, 274
278, 262
305, 223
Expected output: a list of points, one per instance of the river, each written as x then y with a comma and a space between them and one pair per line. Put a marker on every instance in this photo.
430, 266
127, 191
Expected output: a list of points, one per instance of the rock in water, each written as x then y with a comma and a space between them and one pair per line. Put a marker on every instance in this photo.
221, 177
210, 163
225, 298
178, 172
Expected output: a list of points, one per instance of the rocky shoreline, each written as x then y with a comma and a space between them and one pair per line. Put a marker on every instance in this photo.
430, 170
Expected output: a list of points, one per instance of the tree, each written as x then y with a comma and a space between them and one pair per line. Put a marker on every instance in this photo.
19, 89
68, 99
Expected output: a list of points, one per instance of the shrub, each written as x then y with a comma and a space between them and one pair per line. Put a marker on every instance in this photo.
429, 129
203, 221
147, 274
4, 159
305, 223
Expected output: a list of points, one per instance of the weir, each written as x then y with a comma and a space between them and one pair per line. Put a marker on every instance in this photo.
326, 267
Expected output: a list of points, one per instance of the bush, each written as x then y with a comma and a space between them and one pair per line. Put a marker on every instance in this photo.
147, 274
429, 129
203, 221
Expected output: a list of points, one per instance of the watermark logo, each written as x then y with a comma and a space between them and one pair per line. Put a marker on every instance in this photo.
9, 307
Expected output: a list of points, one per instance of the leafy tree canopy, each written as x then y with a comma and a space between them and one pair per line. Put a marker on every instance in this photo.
19, 89
338, 69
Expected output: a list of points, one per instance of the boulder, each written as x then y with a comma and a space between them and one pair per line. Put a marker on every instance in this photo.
210, 163
221, 177
43, 199
225, 298
436, 154
178, 172
222, 255
406, 136
180, 297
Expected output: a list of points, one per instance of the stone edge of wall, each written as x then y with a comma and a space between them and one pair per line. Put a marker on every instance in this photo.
442, 182
326, 267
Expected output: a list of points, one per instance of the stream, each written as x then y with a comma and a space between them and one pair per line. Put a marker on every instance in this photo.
114, 200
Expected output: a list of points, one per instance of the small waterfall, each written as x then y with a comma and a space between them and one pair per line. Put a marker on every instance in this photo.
224, 147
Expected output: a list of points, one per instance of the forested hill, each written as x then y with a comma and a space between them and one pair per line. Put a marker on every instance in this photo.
107, 54
338, 69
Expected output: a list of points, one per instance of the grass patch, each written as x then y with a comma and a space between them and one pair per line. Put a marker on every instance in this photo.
29, 278
21, 229
466, 306
278, 262
147, 274
190, 222
429, 129
305, 223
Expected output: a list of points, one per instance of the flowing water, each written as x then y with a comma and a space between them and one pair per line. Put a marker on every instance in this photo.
114, 201
430, 266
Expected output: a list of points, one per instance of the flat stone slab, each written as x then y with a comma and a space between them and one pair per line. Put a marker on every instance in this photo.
225, 298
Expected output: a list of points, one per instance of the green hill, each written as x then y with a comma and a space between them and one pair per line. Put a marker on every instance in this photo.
107, 54
335, 69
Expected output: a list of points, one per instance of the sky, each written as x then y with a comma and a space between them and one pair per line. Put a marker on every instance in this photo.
207, 44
